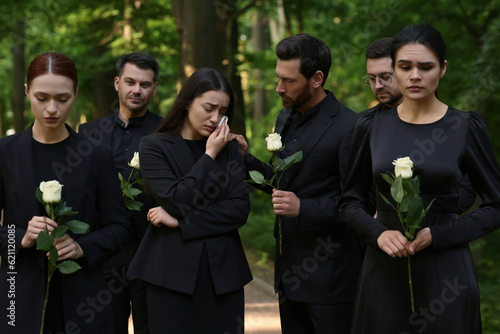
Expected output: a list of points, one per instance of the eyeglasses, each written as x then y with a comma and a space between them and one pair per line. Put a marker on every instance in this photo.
384, 79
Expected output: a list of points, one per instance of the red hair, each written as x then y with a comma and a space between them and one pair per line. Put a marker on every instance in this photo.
55, 63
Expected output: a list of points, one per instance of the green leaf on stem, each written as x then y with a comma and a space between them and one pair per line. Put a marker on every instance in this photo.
44, 241
78, 227
415, 209
133, 205
278, 164
296, 157
387, 178
256, 176
131, 192
39, 195
53, 255
397, 190
68, 267
388, 201
59, 231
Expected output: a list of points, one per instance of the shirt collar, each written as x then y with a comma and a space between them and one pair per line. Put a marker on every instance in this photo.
133, 122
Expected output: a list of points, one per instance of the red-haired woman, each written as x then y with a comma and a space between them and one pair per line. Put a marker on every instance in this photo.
51, 150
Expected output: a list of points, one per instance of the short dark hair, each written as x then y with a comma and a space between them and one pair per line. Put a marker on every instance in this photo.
141, 60
380, 48
420, 33
313, 53
197, 84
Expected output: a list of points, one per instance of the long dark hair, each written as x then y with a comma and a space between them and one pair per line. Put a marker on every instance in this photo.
201, 81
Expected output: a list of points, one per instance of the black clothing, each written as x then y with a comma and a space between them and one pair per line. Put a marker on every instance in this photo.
91, 189
210, 201
123, 139
444, 282
321, 258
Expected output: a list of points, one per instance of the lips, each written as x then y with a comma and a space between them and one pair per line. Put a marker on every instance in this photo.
136, 99
51, 119
415, 88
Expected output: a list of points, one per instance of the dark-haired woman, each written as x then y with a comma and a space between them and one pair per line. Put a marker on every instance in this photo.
191, 255
445, 145
51, 150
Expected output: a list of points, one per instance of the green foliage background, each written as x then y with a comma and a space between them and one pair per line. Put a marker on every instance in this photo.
90, 32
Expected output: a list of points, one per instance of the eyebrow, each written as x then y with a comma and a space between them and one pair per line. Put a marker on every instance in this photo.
419, 62
43, 93
216, 105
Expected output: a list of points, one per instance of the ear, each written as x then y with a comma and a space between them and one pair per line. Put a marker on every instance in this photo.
117, 81
317, 79
156, 87
26, 89
443, 69
76, 91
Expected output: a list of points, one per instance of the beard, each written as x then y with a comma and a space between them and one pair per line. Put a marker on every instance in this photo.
134, 108
393, 98
295, 104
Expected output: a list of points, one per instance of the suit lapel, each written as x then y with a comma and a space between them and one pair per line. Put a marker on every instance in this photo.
179, 154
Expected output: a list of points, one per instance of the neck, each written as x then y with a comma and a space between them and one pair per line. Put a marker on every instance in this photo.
421, 111
49, 136
317, 97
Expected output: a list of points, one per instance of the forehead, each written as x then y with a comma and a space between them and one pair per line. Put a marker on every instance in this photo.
134, 72
52, 84
416, 52
379, 65
288, 68
215, 97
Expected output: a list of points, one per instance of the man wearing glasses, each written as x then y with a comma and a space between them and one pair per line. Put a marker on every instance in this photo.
379, 75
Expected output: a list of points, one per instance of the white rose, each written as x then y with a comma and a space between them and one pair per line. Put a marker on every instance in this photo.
51, 191
274, 142
403, 167
134, 163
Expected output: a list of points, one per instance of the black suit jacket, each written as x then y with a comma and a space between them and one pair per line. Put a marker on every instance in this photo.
92, 189
321, 258
211, 202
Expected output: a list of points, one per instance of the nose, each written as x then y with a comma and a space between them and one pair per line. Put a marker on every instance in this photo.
136, 88
280, 88
215, 117
415, 74
378, 85
51, 106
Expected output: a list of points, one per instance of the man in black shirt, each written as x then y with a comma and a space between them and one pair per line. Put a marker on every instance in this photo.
136, 83
380, 75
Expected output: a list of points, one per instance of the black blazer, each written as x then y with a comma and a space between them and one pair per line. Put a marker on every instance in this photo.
321, 258
92, 189
211, 202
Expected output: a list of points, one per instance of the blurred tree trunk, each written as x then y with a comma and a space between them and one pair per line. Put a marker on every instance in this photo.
279, 25
127, 18
18, 55
208, 37
105, 95
258, 41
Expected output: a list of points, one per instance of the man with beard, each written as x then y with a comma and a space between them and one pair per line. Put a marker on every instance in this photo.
380, 75
317, 269
136, 83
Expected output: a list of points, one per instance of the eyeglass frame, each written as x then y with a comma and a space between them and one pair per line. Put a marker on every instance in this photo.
377, 78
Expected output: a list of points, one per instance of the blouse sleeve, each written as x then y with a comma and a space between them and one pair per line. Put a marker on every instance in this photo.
355, 206
480, 164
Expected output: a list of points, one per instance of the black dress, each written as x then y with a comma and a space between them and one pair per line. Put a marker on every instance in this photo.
444, 281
